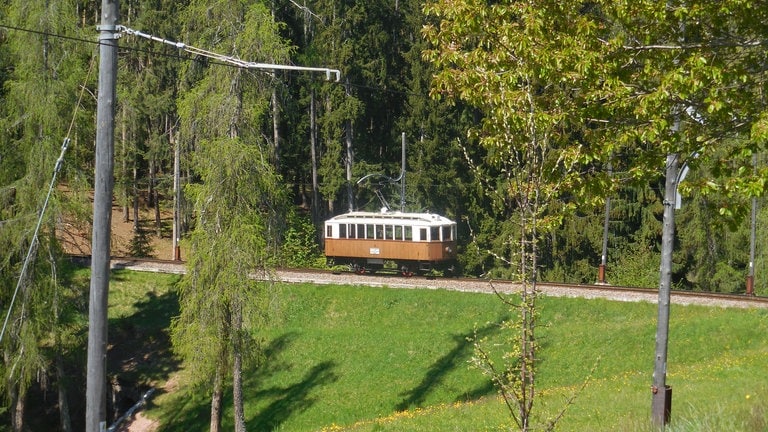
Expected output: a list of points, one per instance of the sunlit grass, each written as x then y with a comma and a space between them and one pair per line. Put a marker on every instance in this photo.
347, 358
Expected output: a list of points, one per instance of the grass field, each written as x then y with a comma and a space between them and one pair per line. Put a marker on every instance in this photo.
345, 358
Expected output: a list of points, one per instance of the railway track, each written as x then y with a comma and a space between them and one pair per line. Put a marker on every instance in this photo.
321, 277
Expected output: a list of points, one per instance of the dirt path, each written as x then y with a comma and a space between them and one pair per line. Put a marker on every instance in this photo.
139, 424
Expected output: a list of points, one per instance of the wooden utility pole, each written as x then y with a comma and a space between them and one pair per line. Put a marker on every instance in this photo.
96, 384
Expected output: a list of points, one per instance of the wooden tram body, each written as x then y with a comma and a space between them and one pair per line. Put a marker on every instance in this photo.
415, 242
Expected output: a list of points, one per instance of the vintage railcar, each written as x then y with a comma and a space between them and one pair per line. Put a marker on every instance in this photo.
414, 242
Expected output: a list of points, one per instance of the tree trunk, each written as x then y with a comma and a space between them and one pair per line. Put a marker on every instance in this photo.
151, 185
17, 420
216, 399
124, 168
350, 157
156, 200
65, 421
176, 195
315, 204
237, 369
135, 198
276, 128
153, 195
275, 109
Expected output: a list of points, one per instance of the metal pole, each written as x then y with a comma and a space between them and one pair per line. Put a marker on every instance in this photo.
402, 177
350, 157
661, 406
604, 258
96, 401
752, 227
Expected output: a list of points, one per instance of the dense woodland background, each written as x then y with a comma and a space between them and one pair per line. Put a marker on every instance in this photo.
318, 137
49, 54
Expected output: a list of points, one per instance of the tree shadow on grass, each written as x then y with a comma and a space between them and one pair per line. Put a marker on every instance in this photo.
457, 356
139, 355
191, 409
140, 344
293, 398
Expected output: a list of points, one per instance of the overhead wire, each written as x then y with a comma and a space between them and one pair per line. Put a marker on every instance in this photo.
193, 57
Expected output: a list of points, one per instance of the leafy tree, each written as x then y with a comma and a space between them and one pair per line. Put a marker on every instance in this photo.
530, 68
564, 86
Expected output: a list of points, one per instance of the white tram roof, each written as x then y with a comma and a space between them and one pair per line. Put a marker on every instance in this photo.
398, 218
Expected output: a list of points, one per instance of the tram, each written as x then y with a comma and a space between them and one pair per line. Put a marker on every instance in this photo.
414, 242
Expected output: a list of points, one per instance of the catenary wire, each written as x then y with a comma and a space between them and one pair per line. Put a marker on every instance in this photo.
177, 56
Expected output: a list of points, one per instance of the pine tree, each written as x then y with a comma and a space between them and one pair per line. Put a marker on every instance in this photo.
40, 110
239, 202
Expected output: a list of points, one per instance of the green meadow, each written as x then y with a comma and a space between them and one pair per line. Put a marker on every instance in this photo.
350, 358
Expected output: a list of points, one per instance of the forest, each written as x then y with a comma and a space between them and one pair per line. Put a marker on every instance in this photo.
605, 90
321, 136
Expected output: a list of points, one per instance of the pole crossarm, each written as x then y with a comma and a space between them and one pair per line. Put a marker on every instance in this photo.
229, 59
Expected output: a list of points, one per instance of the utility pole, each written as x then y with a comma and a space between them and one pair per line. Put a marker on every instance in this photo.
752, 229
402, 176
349, 160
176, 195
96, 400
661, 406
604, 257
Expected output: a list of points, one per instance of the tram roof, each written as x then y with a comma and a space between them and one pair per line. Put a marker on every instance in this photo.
392, 217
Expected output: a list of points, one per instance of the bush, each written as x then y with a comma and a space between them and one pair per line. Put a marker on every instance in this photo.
299, 248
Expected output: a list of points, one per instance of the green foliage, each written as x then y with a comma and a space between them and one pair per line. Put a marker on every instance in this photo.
637, 266
299, 245
235, 235
41, 81
534, 71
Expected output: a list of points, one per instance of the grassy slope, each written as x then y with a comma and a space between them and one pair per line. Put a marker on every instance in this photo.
365, 359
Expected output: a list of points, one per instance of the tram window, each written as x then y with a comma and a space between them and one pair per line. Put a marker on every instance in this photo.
447, 233
434, 234
329, 231
360, 231
369, 232
343, 231
408, 232
379, 231
388, 232
352, 231
423, 234
398, 232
